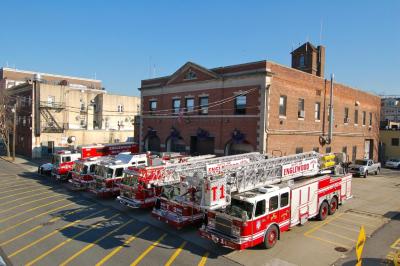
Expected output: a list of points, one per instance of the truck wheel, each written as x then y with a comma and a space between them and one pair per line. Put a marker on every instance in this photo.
377, 171
271, 236
333, 206
323, 211
366, 174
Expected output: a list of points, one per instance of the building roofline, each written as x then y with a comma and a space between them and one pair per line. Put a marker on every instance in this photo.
48, 74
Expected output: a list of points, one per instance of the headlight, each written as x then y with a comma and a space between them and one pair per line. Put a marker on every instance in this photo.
211, 223
235, 230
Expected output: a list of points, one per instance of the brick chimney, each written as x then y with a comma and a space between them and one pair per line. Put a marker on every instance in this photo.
310, 59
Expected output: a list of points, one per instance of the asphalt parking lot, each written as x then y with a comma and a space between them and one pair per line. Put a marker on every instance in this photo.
43, 223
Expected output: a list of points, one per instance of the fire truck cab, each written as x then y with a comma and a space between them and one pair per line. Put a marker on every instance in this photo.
108, 174
259, 216
63, 162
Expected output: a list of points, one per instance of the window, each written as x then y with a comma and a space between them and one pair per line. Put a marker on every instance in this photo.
260, 208
284, 199
316, 149
50, 100
189, 105
354, 153
176, 106
82, 105
364, 114
299, 150
118, 172
153, 106
344, 149
273, 203
328, 150
282, 105
302, 61
66, 159
120, 108
300, 108
317, 111
203, 105
92, 167
240, 105
190, 75
395, 142
355, 117
370, 119
346, 115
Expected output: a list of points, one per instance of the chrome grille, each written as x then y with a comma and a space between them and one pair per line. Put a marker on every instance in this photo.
223, 225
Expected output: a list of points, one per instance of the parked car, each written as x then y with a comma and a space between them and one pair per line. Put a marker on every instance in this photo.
393, 163
364, 167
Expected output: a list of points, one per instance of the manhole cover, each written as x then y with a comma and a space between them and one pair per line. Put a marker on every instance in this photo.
341, 249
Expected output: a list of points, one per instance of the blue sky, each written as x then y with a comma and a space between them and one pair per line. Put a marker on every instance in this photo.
123, 42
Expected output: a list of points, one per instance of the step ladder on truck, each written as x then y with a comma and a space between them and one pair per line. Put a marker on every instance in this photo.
141, 186
263, 199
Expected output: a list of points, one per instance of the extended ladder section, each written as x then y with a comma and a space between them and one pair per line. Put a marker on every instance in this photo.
216, 189
171, 174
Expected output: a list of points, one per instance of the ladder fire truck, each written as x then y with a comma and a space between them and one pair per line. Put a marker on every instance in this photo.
261, 200
108, 174
141, 186
63, 161
182, 205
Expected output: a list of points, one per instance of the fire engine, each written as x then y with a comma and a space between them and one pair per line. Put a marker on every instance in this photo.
63, 161
108, 174
263, 199
180, 205
141, 186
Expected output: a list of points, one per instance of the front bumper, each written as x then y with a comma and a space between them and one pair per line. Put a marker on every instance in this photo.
78, 184
105, 192
175, 220
223, 240
135, 204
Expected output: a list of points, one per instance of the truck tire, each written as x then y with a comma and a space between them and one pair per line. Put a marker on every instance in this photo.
378, 170
271, 236
365, 174
323, 211
333, 205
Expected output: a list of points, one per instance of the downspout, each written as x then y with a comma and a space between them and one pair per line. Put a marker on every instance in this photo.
330, 129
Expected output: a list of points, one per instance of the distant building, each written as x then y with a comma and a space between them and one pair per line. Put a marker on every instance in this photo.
54, 109
390, 143
390, 109
258, 106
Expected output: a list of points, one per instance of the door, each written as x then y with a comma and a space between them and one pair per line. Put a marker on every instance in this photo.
200, 146
50, 147
367, 145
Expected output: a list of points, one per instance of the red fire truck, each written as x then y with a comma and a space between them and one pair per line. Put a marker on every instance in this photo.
108, 174
182, 204
141, 186
63, 161
258, 203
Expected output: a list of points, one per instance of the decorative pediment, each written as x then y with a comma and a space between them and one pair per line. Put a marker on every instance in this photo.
190, 72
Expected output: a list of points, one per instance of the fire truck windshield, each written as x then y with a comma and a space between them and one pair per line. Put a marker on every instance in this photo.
57, 159
129, 180
105, 172
237, 207
170, 192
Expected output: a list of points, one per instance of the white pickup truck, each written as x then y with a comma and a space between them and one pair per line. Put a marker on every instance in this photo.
364, 167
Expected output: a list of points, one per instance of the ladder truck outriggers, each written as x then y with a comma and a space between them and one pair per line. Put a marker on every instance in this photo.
261, 200
141, 186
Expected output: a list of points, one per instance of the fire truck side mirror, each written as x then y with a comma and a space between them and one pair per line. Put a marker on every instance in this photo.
244, 216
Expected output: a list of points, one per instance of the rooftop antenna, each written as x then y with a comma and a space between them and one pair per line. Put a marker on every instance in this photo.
7, 63
150, 66
95, 75
154, 70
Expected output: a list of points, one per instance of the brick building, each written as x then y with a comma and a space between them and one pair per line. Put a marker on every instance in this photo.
51, 109
258, 106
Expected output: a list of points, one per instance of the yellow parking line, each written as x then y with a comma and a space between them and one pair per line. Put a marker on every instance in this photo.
336, 244
51, 234
396, 244
30, 191
344, 227
322, 224
116, 250
94, 243
67, 241
150, 248
42, 225
204, 259
24, 183
175, 255
338, 235
29, 210
30, 196
359, 224
30, 202
35, 217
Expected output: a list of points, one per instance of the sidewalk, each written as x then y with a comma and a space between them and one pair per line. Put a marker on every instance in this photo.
28, 164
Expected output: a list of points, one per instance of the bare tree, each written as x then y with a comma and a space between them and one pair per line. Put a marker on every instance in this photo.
5, 120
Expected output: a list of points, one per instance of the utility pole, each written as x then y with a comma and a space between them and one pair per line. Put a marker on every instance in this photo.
14, 128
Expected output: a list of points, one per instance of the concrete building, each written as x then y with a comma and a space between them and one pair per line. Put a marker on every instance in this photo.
54, 110
258, 106
390, 108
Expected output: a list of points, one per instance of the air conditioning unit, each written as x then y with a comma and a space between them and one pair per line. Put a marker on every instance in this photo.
301, 114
